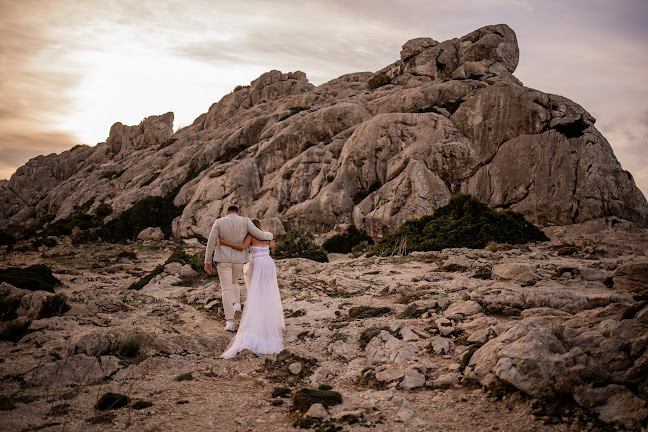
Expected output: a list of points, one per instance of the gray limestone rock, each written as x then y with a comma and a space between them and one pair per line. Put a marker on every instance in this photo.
453, 118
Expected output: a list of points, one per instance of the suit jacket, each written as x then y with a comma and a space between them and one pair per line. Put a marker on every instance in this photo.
232, 228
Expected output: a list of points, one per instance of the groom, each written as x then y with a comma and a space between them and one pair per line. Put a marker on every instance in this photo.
232, 228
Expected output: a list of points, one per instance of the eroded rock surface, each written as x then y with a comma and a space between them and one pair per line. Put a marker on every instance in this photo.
452, 118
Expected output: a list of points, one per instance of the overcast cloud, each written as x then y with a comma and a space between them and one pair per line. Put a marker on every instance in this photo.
70, 69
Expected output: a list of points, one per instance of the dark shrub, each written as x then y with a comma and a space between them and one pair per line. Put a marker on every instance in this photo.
35, 277
299, 243
6, 239
150, 211
8, 307
378, 80
130, 348
281, 392
103, 210
304, 398
112, 401
63, 227
141, 404
344, 243
463, 222
184, 377
55, 305
370, 333
127, 254
361, 312
240, 87
196, 261
14, 330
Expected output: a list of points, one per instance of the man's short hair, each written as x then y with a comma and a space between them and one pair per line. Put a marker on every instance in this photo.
232, 209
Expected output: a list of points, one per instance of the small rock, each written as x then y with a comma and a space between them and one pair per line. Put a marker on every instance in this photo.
413, 379
390, 374
446, 380
522, 274
408, 335
395, 326
150, 233
317, 410
463, 307
295, 368
439, 345
482, 336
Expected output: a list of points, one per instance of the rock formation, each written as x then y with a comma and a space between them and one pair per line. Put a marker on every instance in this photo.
451, 117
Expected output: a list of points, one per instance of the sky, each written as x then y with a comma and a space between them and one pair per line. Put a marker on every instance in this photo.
70, 69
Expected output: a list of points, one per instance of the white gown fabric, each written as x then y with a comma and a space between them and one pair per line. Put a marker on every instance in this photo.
262, 321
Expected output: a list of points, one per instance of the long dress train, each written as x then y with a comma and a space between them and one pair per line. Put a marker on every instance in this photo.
262, 321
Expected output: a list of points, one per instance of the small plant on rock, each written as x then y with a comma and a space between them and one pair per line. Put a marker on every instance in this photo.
378, 80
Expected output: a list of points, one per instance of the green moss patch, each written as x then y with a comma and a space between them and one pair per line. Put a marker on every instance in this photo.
463, 222
146, 279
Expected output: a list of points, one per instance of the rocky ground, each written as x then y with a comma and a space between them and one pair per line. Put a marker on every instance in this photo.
533, 338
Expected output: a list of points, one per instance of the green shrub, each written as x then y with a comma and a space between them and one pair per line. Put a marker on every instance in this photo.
344, 243
240, 87
14, 330
360, 249
378, 80
33, 278
299, 243
196, 261
463, 222
150, 211
55, 305
64, 227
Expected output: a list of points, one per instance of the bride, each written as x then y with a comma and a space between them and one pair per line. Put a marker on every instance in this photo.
262, 321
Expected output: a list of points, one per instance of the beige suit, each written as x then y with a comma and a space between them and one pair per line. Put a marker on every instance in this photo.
232, 228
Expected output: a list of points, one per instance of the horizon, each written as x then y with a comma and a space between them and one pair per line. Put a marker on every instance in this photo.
73, 70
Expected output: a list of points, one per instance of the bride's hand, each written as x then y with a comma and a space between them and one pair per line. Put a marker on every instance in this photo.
224, 242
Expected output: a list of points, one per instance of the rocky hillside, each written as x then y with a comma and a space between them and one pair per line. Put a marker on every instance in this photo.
546, 337
367, 149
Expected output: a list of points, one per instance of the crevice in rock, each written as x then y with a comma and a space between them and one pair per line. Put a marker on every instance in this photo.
574, 129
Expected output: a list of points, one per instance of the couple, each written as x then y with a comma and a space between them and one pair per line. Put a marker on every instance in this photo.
262, 321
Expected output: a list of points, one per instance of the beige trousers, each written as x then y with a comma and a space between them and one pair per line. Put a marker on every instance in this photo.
229, 274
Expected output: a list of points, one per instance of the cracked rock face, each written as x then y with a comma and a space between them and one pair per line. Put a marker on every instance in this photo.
453, 118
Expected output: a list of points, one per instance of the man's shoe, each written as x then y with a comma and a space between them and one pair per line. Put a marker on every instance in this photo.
230, 325
237, 307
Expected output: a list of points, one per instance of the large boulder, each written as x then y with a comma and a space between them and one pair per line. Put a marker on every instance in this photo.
451, 117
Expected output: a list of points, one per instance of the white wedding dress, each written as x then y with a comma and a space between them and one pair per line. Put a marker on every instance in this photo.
262, 322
